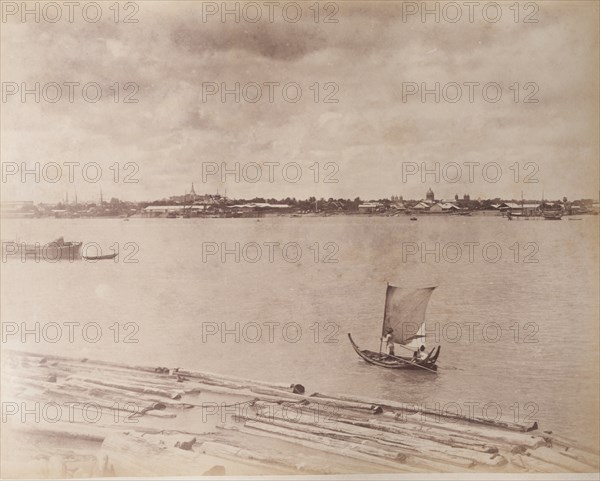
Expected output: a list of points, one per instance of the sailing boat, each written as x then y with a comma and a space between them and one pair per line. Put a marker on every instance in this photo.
405, 314
518, 215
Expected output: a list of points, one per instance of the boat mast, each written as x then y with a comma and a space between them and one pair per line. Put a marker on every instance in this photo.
542, 202
387, 284
522, 205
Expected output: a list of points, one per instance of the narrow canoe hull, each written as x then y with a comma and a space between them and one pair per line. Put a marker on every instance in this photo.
100, 258
396, 362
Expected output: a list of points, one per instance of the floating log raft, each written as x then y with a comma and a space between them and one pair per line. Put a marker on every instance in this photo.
80, 418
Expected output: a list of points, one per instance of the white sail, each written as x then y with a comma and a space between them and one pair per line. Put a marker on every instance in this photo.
405, 313
418, 340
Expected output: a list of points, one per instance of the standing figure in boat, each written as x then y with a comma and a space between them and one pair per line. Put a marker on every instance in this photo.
389, 341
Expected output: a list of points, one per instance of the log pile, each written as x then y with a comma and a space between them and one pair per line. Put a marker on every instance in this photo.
68, 417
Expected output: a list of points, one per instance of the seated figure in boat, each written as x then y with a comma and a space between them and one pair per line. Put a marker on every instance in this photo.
389, 341
419, 355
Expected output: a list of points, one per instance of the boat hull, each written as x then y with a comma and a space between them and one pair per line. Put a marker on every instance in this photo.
396, 362
52, 252
100, 258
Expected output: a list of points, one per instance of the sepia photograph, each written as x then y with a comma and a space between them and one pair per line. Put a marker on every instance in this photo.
312, 239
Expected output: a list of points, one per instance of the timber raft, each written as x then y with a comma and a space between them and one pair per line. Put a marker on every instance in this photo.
106, 419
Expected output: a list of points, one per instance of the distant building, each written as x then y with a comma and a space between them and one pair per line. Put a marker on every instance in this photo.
162, 210
369, 207
259, 205
524, 208
443, 207
422, 206
24, 208
430, 196
169, 210
436, 207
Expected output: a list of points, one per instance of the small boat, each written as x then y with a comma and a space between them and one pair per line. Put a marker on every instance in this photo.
57, 250
552, 215
514, 215
413, 218
405, 314
521, 216
100, 258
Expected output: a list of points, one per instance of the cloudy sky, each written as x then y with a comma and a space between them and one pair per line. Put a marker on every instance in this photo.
172, 53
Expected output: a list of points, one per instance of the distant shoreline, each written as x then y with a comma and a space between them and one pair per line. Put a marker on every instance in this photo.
258, 215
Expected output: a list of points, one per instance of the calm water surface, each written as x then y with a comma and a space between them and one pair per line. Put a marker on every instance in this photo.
174, 297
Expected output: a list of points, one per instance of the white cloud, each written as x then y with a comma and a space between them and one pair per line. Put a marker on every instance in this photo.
369, 132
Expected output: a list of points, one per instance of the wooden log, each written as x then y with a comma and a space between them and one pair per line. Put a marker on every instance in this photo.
584, 457
442, 438
131, 380
134, 455
288, 461
119, 395
328, 446
78, 367
122, 410
329, 402
210, 383
350, 441
498, 436
65, 430
530, 465
35, 384
222, 378
35, 357
230, 381
411, 408
245, 394
565, 463
572, 447
424, 438
361, 435
143, 390
33, 374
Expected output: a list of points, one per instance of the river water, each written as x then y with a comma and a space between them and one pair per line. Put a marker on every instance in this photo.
515, 311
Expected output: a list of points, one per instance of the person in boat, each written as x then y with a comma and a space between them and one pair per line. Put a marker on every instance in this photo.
420, 355
389, 342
